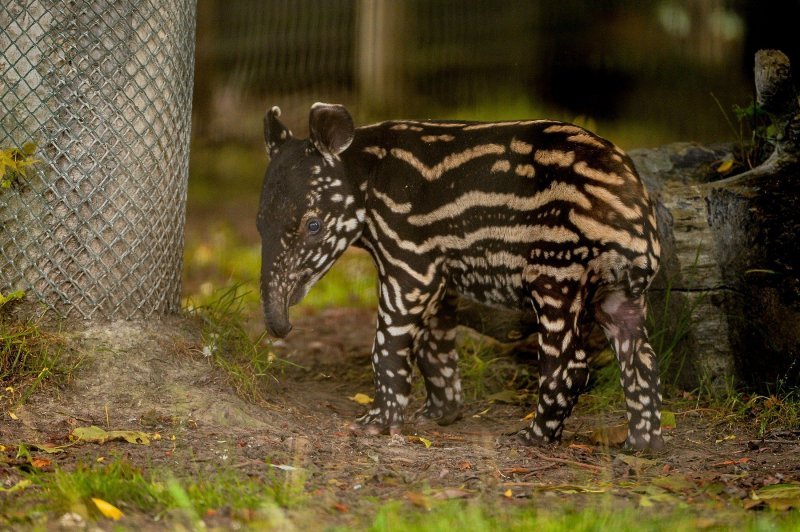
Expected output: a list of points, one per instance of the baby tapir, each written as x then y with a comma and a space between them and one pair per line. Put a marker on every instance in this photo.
535, 215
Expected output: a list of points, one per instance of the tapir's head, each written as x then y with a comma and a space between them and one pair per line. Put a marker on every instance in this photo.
310, 211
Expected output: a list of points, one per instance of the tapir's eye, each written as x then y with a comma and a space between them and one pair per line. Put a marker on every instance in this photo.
313, 225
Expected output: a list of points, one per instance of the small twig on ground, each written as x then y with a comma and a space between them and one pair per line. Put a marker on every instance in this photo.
583, 465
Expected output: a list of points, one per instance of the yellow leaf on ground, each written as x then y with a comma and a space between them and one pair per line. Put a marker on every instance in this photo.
509, 493
48, 447
95, 434
482, 413
107, 509
361, 398
12, 415
425, 441
725, 166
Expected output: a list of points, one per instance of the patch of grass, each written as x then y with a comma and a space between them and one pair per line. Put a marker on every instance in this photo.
247, 362
755, 137
602, 515
29, 359
487, 369
668, 328
156, 493
605, 393
773, 413
218, 260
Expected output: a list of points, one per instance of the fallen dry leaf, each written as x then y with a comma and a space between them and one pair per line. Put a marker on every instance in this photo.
614, 435
361, 398
572, 489
507, 396
107, 509
742, 460
425, 441
725, 166
95, 434
418, 499
581, 447
41, 463
637, 463
452, 493
777, 497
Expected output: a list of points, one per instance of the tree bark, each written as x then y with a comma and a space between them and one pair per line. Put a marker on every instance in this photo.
755, 218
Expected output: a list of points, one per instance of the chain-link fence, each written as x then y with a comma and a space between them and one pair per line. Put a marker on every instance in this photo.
102, 91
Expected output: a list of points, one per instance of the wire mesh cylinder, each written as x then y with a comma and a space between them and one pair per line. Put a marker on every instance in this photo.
103, 89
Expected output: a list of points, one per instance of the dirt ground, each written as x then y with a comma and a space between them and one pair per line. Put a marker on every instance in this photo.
153, 377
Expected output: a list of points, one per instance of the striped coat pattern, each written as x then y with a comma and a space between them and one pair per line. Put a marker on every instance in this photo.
536, 216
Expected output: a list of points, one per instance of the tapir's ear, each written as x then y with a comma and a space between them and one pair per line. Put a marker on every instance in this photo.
275, 133
330, 128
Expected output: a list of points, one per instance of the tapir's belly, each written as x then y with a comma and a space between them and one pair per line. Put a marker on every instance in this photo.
492, 277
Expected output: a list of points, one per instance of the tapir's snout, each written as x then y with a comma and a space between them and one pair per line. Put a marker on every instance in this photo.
277, 320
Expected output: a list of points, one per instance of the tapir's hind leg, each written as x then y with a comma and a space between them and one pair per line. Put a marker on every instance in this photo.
622, 317
562, 363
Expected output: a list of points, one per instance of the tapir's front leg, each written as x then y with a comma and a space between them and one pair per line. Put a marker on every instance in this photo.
391, 364
437, 359
409, 329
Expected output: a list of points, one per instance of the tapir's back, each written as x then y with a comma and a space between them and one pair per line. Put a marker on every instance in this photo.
494, 193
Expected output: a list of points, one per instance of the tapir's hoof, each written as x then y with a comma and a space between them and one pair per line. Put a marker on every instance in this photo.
440, 416
528, 437
372, 429
641, 443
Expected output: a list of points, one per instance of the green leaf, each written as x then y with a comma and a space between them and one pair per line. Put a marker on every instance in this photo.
507, 396
16, 295
668, 420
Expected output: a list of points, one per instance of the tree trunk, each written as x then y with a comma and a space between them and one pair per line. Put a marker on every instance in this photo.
755, 218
